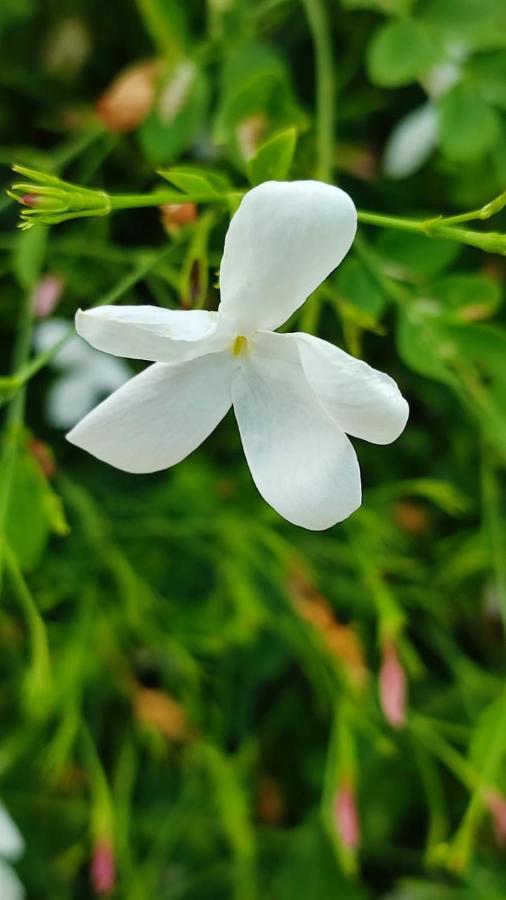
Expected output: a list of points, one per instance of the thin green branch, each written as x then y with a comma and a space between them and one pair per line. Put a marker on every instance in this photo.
11, 386
325, 125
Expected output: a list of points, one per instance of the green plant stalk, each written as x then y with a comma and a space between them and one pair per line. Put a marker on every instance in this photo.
40, 667
14, 420
494, 527
27, 370
462, 844
325, 122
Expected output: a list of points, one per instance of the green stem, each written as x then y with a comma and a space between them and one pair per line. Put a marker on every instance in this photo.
21, 376
15, 417
494, 528
40, 666
159, 198
320, 33
462, 844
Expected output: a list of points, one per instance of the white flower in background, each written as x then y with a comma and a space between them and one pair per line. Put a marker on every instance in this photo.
295, 396
85, 375
11, 848
415, 137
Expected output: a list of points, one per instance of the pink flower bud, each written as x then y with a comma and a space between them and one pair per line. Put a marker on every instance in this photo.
392, 687
496, 803
346, 813
103, 869
46, 295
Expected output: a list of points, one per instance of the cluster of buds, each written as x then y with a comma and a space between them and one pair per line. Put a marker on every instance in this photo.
48, 200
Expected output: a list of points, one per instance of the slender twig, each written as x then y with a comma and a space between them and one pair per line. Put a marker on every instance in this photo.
320, 32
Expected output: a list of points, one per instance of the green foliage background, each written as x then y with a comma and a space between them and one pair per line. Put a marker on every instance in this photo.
168, 685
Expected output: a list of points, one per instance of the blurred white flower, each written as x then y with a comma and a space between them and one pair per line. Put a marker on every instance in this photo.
11, 848
86, 376
415, 137
295, 396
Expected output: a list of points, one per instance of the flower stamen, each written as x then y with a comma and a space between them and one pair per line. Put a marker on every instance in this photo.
240, 345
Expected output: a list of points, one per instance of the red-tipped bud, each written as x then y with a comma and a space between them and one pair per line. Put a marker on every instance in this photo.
346, 813
392, 687
496, 803
31, 200
103, 869
46, 295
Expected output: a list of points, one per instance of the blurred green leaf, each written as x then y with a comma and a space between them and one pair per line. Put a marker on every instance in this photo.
467, 124
34, 512
410, 258
464, 297
273, 159
176, 118
194, 180
400, 52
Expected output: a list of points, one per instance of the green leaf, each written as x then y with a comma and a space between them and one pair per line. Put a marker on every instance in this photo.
29, 253
34, 512
400, 52
488, 71
411, 258
196, 181
388, 7
480, 24
359, 289
469, 358
309, 869
467, 124
177, 117
273, 160
465, 297
256, 100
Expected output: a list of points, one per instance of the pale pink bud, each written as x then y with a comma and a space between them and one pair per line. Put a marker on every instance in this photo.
346, 813
496, 803
46, 295
128, 100
103, 869
392, 687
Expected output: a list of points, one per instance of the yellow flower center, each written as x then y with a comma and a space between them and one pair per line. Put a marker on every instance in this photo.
240, 345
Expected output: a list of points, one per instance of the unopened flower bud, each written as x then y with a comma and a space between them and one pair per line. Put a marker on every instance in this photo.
346, 816
496, 803
49, 200
392, 687
43, 456
46, 295
103, 869
176, 215
128, 100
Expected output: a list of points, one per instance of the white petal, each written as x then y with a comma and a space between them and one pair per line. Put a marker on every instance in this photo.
151, 332
10, 885
411, 142
106, 373
160, 416
364, 402
12, 844
69, 399
283, 241
301, 462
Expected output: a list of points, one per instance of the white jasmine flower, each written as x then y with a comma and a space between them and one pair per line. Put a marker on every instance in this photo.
11, 848
85, 375
295, 397
415, 137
